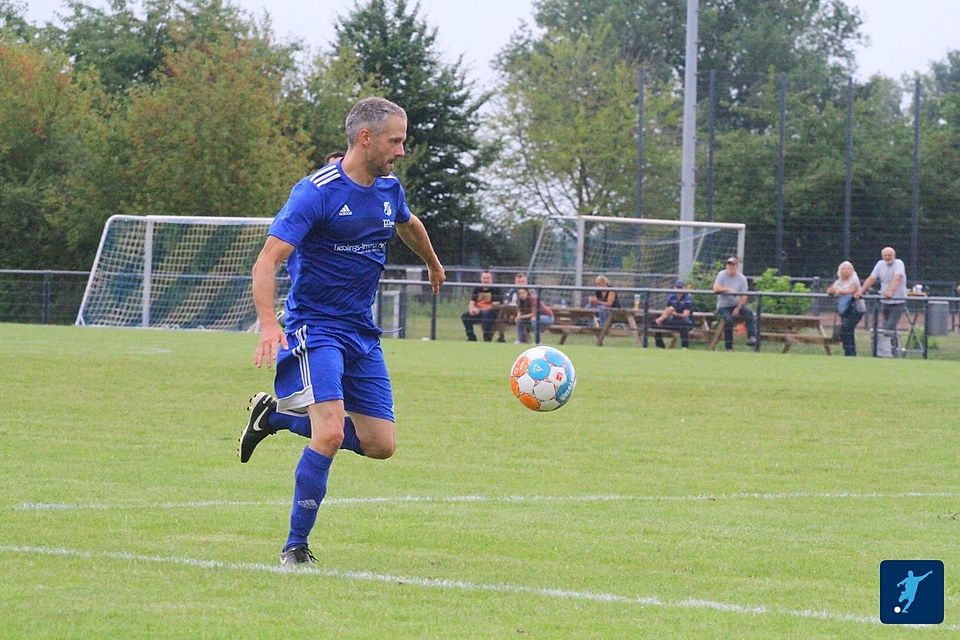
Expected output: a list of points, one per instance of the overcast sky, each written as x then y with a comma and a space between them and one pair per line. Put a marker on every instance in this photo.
905, 35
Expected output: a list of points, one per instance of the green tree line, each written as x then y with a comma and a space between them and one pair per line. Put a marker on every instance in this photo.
196, 108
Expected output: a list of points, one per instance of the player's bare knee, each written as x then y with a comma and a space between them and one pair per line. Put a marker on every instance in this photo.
327, 442
381, 450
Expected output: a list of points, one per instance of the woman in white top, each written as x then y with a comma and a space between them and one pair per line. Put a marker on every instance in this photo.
849, 309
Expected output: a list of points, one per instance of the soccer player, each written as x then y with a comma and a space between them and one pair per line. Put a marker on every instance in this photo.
332, 232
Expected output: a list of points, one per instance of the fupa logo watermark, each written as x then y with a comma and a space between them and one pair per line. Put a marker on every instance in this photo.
911, 592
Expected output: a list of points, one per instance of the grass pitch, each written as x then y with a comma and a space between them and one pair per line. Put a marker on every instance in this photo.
684, 494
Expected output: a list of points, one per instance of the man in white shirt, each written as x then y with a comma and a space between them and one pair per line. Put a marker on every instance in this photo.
892, 274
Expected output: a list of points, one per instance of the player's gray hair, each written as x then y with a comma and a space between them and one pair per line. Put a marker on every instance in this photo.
370, 113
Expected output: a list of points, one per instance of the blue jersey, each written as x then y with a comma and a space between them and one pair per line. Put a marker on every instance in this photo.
340, 231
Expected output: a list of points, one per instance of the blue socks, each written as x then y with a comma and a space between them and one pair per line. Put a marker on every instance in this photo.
301, 426
309, 488
296, 424
350, 440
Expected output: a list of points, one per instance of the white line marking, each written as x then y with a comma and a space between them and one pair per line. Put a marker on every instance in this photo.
203, 504
461, 585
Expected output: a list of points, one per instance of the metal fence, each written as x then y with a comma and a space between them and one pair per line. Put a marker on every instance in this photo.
821, 169
41, 297
406, 308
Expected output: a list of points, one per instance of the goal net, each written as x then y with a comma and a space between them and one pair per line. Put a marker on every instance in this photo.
188, 272
631, 252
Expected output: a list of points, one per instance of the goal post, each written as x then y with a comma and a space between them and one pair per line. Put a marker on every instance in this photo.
632, 252
187, 272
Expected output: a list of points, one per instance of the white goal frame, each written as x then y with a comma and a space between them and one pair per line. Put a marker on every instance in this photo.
687, 238
147, 272
683, 269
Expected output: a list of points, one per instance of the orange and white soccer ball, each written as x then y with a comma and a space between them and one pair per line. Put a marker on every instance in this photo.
543, 378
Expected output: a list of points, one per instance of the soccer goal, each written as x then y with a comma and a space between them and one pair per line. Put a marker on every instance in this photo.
632, 252
189, 272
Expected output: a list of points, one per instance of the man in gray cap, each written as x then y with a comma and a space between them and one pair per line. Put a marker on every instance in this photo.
731, 285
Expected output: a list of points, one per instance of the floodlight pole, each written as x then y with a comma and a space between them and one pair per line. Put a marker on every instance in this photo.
687, 172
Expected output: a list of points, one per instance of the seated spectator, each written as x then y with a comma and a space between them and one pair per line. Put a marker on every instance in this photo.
603, 299
732, 303
677, 315
481, 309
526, 303
519, 280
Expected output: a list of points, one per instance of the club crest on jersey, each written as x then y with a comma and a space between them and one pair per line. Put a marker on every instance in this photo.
387, 209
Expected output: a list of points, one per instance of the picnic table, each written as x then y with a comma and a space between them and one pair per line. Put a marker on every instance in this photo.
569, 321
788, 329
620, 322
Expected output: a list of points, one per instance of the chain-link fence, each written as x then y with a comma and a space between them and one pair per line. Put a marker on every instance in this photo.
822, 169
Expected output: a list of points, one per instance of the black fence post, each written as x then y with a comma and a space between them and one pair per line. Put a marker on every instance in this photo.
848, 172
536, 316
402, 301
781, 152
646, 314
756, 345
46, 297
876, 323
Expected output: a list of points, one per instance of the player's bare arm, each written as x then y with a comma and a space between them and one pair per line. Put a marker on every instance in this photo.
415, 236
273, 254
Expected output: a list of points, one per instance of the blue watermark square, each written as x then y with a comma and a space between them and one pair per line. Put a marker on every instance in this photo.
911, 592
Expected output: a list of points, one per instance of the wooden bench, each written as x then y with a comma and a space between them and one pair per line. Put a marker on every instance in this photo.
621, 323
569, 321
700, 330
783, 328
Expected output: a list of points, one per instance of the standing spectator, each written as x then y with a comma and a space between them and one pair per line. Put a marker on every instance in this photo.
731, 285
528, 306
849, 308
892, 275
603, 299
481, 309
677, 315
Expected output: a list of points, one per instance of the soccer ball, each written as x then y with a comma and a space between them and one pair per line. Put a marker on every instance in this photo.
543, 378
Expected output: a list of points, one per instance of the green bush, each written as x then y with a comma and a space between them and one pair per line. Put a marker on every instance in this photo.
770, 281
702, 277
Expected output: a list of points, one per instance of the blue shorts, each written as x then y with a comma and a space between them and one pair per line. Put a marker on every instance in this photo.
329, 364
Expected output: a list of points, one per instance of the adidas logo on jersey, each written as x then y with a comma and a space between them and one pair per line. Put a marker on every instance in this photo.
345, 211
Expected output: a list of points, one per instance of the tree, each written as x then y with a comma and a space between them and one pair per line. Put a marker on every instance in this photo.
127, 50
441, 173
209, 138
333, 84
52, 158
745, 176
744, 38
568, 110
